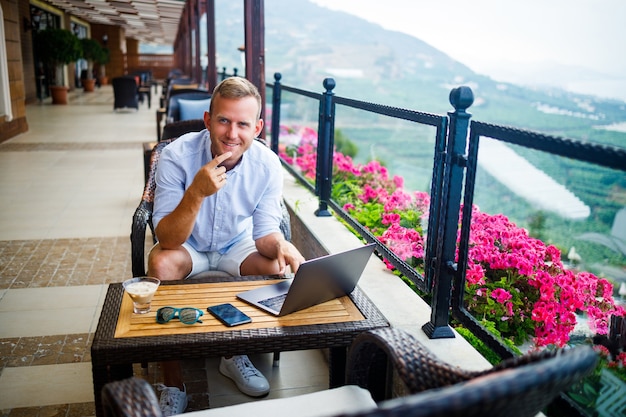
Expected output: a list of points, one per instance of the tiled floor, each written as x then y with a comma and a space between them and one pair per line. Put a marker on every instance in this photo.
68, 190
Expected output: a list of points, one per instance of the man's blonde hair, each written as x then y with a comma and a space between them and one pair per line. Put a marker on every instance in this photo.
236, 88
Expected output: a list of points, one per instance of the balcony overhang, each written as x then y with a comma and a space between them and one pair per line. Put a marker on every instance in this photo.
150, 21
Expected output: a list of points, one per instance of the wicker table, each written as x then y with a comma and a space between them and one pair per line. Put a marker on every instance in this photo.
123, 338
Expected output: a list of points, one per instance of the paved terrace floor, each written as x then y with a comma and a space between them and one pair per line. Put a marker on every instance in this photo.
68, 190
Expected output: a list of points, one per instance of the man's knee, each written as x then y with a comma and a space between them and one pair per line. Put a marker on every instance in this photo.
257, 264
168, 265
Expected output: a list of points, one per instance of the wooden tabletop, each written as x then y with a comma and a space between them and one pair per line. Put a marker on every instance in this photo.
123, 337
202, 295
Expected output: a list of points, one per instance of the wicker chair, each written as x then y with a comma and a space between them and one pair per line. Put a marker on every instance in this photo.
125, 93
176, 129
170, 111
521, 387
142, 218
517, 387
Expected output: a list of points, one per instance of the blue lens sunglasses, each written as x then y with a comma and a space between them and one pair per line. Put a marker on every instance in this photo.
186, 315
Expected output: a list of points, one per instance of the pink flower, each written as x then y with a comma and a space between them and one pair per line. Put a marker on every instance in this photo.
391, 218
501, 295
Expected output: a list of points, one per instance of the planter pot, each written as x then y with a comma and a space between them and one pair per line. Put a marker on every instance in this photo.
59, 94
89, 85
104, 80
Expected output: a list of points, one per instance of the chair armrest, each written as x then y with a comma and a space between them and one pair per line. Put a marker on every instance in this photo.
415, 365
141, 219
159, 118
132, 397
520, 387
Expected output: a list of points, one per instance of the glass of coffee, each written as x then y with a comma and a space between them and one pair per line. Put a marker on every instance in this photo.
141, 290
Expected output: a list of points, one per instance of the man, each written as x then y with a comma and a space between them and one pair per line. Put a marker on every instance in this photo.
217, 207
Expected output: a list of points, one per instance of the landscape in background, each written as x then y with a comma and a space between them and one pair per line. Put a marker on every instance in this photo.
307, 43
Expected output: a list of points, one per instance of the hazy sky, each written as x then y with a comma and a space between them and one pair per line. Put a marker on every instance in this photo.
509, 40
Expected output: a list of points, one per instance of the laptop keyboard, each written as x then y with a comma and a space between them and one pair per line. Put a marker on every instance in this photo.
275, 303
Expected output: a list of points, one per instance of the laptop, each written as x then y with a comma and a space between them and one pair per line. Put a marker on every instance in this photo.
317, 280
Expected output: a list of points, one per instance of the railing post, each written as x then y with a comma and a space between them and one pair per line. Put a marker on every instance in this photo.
276, 97
325, 145
455, 163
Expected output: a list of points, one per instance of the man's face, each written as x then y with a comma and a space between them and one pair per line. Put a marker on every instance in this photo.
233, 125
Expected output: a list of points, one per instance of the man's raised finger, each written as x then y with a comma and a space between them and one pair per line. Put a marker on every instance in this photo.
221, 158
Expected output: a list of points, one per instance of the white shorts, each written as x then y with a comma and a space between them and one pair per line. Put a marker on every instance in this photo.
229, 262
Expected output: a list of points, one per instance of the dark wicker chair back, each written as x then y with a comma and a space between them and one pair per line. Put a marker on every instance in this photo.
176, 129
125, 93
172, 84
173, 105
162, 112
142, 218
517, 388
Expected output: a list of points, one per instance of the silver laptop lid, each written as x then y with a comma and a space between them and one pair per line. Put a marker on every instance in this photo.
317, 280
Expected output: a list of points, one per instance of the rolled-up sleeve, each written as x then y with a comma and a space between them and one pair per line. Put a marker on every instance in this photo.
170, 187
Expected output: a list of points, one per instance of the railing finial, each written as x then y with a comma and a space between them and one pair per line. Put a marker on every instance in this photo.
329, 84
461, 98
277, 76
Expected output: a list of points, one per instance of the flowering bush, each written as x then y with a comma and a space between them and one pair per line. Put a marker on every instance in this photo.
368, 194
522, 286
516, 284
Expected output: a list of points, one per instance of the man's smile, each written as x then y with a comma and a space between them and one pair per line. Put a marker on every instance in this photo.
230, 144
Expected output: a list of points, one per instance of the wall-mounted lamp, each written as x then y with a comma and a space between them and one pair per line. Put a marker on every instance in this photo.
105, 39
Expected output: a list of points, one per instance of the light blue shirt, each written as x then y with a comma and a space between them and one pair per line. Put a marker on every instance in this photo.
248, 205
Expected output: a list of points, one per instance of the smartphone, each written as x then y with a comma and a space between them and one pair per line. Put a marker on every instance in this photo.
229, 314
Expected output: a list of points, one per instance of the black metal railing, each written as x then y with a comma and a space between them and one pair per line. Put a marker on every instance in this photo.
605, 156
455, 162
453, 181
323, 182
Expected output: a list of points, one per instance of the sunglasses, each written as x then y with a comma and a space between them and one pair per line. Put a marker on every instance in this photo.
186, 315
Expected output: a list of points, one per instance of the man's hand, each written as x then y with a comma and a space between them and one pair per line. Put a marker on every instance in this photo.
211, 177
274, 247
288, 254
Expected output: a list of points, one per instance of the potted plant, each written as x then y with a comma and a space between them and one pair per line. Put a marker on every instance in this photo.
92, 52
56, 48
102, 60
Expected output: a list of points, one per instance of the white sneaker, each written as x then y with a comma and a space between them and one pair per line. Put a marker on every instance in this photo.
173, 401
248, 379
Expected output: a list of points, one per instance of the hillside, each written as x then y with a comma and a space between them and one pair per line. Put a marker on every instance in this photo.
306, 43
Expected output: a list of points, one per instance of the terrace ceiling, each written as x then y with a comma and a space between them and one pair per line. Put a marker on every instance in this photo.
150, 21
